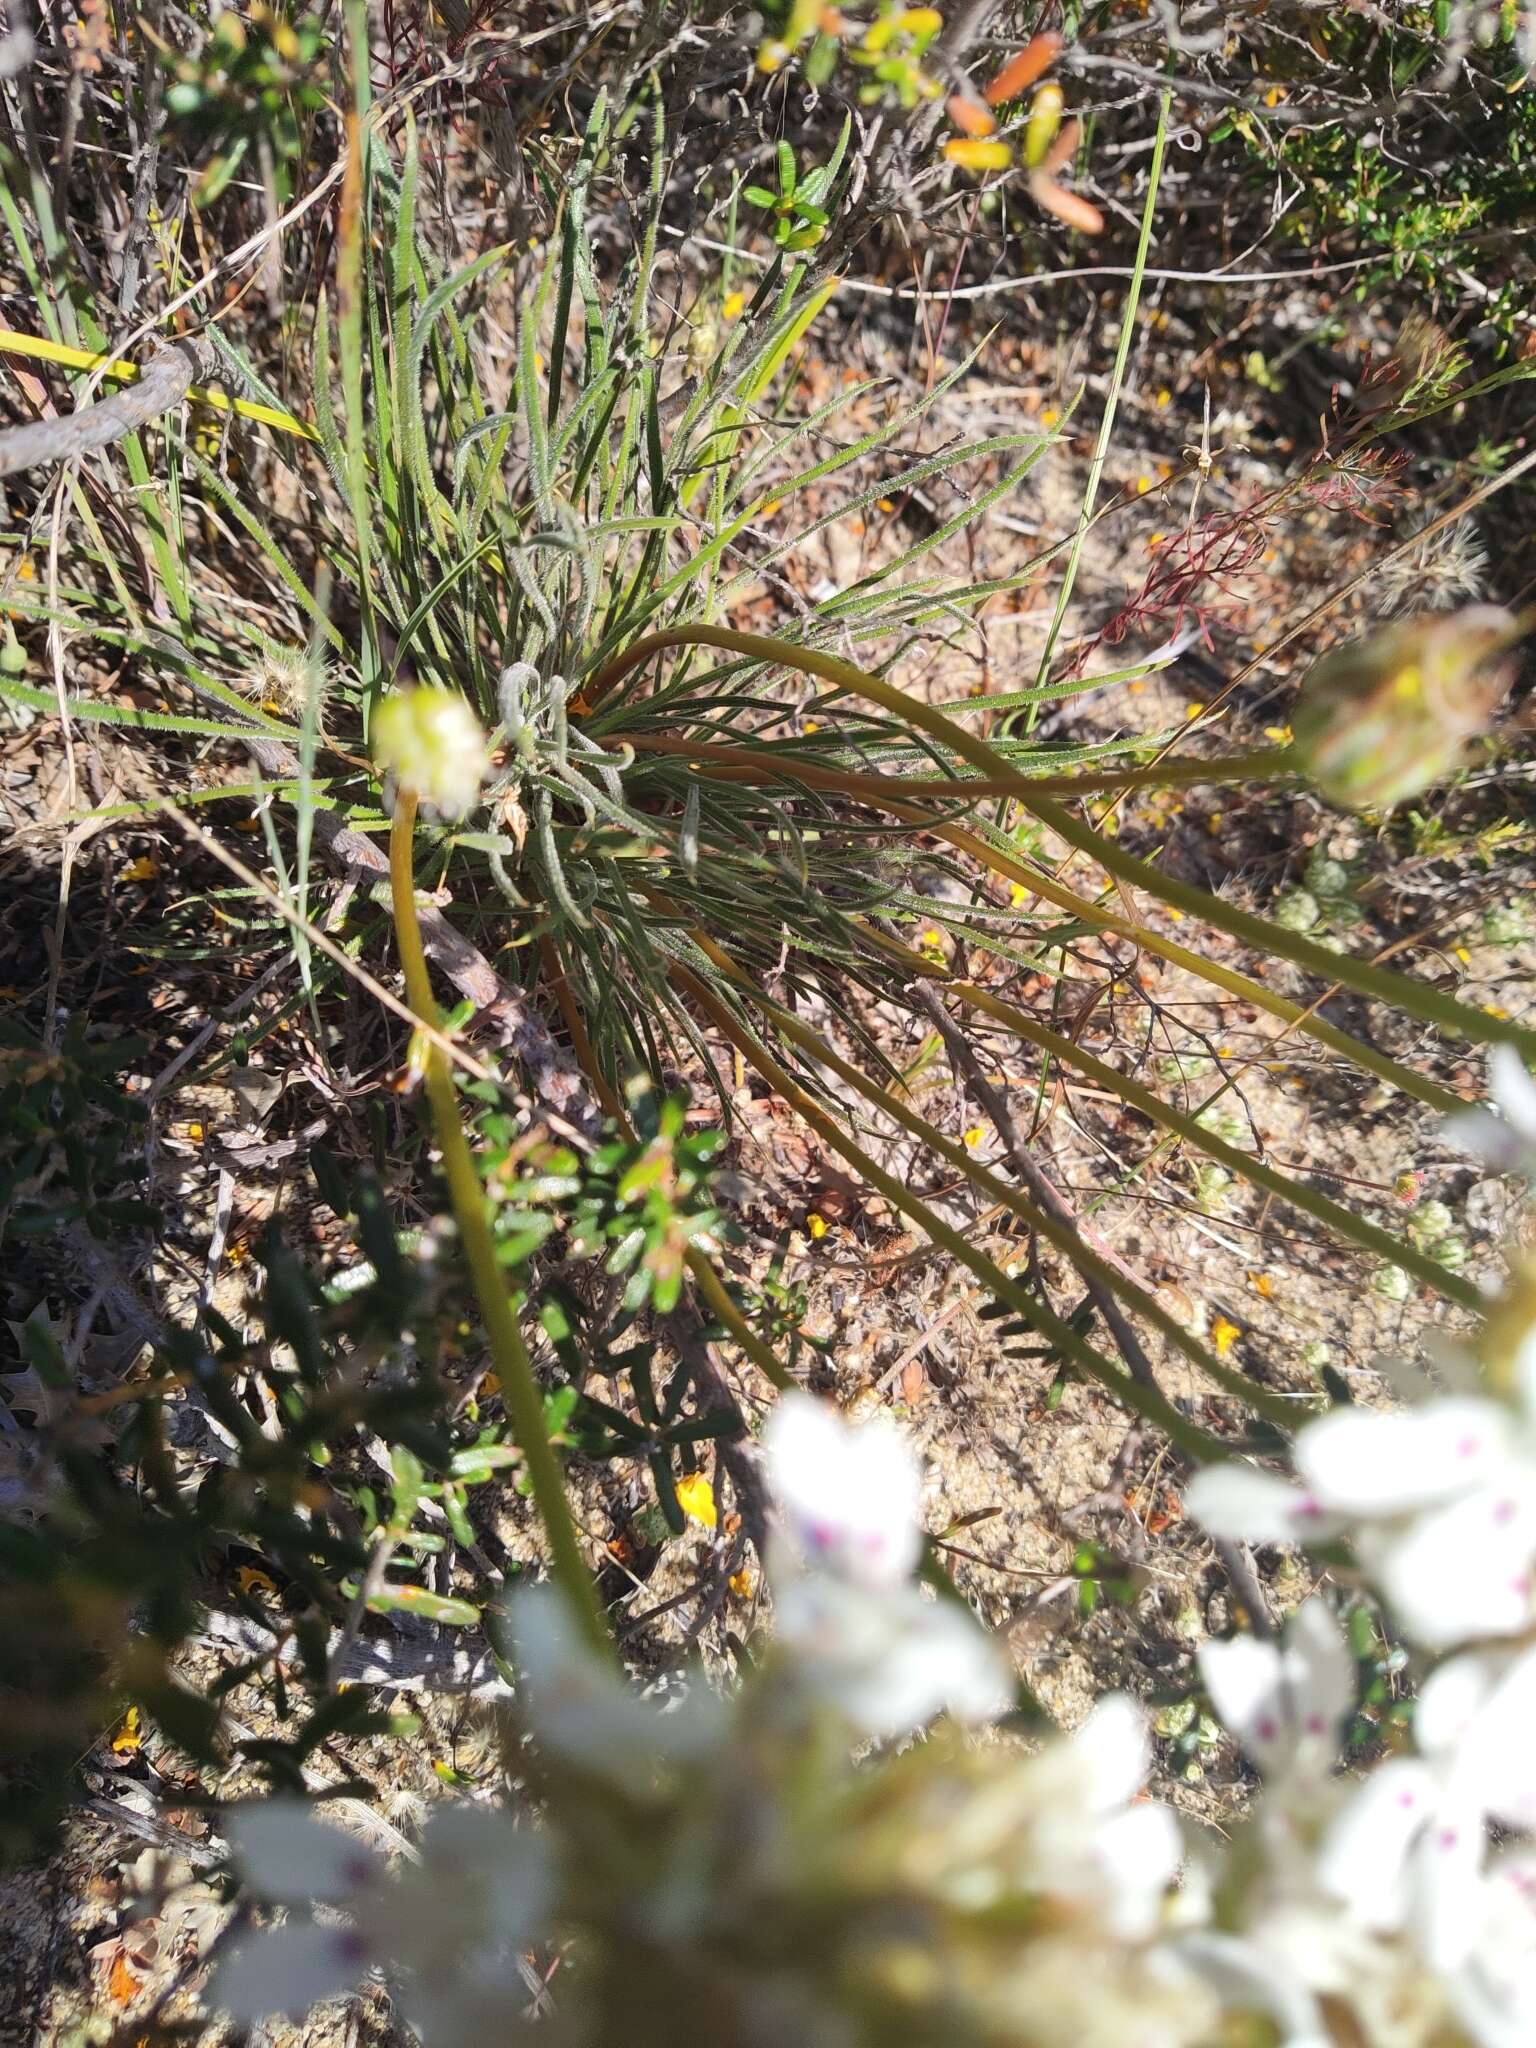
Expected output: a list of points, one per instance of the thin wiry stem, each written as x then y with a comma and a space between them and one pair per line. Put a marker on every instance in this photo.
518, 1385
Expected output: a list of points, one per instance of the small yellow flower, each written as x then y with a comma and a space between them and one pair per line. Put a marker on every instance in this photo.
1163, 398
195, 1133
972, 1138
1223, 1336
430, 743
1050, 416
127, 1737
742, 1583
1143, 485
930, 944
1262, 1284
978, 153
144, 869
1280, 734
696, 1498
816, 1225
734, 302
1018, 895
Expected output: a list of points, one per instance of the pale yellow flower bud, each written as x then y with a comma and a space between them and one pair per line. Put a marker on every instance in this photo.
431, 746
1381, 719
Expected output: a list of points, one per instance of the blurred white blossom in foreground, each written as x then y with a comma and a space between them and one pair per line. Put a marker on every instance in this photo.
1438, 1499
739, 1860
1377, 1909
807, 1863
448, 1928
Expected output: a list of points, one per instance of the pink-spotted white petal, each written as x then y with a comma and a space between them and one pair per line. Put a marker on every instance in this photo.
285, 1854
1462, 1572
1285, 1702
1370, 1462
1242, 1504
1363, 1859
1445, 1884
850, 1496
286, 1970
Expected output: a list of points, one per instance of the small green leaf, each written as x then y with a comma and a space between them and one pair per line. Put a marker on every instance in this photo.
430, 1606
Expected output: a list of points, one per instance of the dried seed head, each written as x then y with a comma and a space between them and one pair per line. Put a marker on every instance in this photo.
430, 745
1383, 718
286, 677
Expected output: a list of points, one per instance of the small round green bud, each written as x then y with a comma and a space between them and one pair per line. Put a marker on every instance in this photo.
431, 746
1297, 910
1381, 719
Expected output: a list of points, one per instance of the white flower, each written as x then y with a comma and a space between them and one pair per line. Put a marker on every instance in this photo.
1493, 1993
1249, 1978
1408, 1849
1506, 1142
430, 744
864, 1637
581, 1708
849, 1497
447, 1928
1099, 1842
888, 1658
1286, 1703
1439, 1499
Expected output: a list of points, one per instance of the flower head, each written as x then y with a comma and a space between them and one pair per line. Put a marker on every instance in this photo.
1379, 720
860, 1634
1438, 1498
848, 1496
430, 745
887, 1658
1285, 1702
448, 1924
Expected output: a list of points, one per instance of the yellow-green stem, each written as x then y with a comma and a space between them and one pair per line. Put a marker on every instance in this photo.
519, 1388
762, 764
